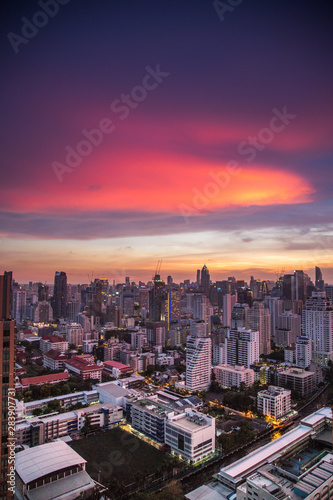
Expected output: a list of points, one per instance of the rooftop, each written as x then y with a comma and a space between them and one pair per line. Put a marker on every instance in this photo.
39, 461
81, 363
45, 378
53, 339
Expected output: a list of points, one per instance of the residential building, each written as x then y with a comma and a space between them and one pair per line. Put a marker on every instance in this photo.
242, 347
149, 416
54, 342
303, 352
274, 402
297, 379
198, 363
233, 376
318, 326
259, 320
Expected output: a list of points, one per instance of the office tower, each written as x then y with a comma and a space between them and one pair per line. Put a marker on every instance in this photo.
19, 305
198, 279
228, 303
169, 280
259, 319
155, 299
7, 383
239, 315
245, 296
242, 347
198, 363
205, 280
127, 282
288, 287
317, 325
128, 304
59, 295
303, 352
319, 282
171, 309
202, 310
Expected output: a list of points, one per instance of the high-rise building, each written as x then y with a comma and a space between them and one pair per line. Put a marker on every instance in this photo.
198, 363
171, 308
155, 299
59, 295
19, 305
7, 386
128, 304
259, 319
205, 280
275, 307
303, 352
317, 325
242, 347
228, 303
319, 282
202, 310
239, 315
290, 322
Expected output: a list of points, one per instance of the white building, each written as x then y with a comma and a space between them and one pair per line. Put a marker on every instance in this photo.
233, 376
318, 326
291, 322
190, 435
303, 352
75, 334
275, 401
198, 363
242, 347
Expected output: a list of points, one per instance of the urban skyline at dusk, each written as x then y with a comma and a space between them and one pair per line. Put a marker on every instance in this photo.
136, 132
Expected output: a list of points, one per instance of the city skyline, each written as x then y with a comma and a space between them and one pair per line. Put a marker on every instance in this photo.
169, 131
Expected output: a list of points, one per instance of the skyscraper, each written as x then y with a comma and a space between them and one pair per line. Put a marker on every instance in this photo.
59, 295
320, 285
205, 280
198, 363
7, 382
242, 347
259, 319
202, 310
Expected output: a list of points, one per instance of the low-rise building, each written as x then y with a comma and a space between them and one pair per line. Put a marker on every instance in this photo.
274, 402
297, 379
233, 375
149, 417
84, 368
53, 342
190, 435
55, 360
52, 378
116, 369
51, 471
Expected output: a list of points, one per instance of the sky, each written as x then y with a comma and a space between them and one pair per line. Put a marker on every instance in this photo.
195, 132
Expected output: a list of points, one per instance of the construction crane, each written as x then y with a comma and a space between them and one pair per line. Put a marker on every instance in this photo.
158, 267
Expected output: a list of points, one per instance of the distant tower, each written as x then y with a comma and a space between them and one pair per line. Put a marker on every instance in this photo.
205, 280
59, 295
320, 285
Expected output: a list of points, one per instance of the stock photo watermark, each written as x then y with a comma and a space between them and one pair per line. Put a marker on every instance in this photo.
30, 27
11, 441
221, 8
122, 107
221, 179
